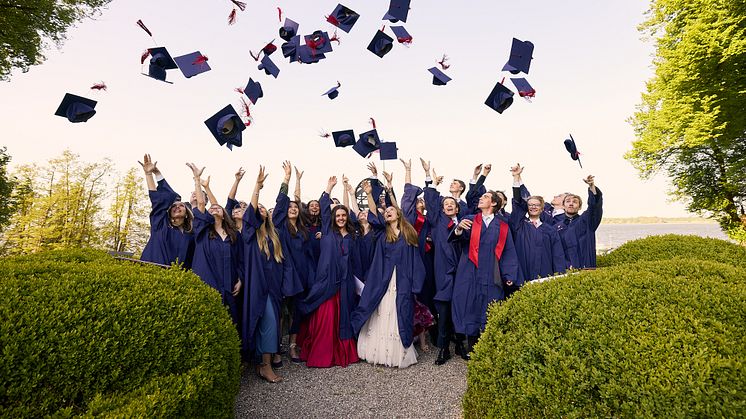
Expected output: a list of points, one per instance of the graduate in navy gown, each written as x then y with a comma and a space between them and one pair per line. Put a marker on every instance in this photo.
325, 336
487, 264
264, 256
216, 246
537, 243
578, 232
383, 319
366, 236
171, 236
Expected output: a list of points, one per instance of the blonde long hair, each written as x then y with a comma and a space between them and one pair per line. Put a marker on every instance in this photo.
267, 230
405, 228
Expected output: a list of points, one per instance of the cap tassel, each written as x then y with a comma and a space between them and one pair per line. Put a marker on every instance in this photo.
99, 86
443, 64
232, 17
373, 122
255, 57
247, 112
406, 41
269, 48
145, 28
144, 56
324, 134
241, 5
201, 59
335, 38
333, 20
339, 84
238, 90
279, 14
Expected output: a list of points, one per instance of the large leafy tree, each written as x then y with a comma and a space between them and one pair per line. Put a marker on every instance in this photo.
691, 124
27, 27
127, 229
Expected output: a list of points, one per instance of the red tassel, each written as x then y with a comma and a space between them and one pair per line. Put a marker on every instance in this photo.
443, 64
255, 57
232, 17
527, 94
142, 25
279, 14
247, 112
324, 134
502, 81
333, 20
200, 60
373, 122
144, 56
241, 5
406, 41
269, 48
335, 38
99, 86
383, 27
238, 89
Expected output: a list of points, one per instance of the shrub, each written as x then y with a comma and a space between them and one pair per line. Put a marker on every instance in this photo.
653, 339
82, 333
673, 245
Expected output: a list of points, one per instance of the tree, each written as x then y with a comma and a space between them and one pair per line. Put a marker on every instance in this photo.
7, 184
691, 122
127, 228
28, 26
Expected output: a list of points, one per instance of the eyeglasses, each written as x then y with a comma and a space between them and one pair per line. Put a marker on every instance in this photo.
534, 205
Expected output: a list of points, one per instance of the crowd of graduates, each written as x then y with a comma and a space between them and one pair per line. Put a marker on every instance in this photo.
366, 284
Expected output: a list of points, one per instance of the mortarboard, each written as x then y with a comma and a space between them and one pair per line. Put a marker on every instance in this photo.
398, 10
269, 67
573, 150
76, 108
289, 29
402, 36
253, 90
343, 18
318, 42
439, 78
306, 55
344, 138
160, 61
226, 126
367, 143
520, 57
192, 64
269, 48
500, 98
290, 48
333, 92
388, 151
381, 44
524, 89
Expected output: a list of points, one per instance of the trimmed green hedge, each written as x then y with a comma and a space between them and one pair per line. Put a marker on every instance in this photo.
84, 334
653, 339
674, 245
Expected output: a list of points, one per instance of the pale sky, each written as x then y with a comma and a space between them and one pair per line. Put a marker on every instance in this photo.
590, 66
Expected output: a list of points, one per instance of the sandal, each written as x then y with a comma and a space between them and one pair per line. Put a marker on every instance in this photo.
294, 359
276, 380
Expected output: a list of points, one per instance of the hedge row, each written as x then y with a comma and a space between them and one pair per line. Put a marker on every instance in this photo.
83, 334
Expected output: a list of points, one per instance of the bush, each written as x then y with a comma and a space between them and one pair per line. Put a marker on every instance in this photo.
653, 339
673, 245
82, 333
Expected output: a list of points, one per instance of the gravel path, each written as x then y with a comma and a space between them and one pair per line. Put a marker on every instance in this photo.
361, 390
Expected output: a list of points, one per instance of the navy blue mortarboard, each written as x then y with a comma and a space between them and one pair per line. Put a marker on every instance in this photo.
388, 151
289, 29
343, 18
226, 126
253, 90
192, 64
76, 108
344, 138
381, 44
269, 48
367, 143
319, 42
290, 48
402, 36
439, 78
500, 98
160, 61
306, 55
520, 57
523, 87
398, 10
333, 92
269, 67
573, 150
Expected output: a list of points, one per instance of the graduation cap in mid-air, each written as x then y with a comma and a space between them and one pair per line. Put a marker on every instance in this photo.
573, 150
344, 138
269, 67
289, 29
343, 17
307, 56
381, 44
253, 91
520, 57
333, 92
367, 143
500, 98
290, 48
398, 10
402, 36
160, 61
226, 126
192, 64
319, 42
439, 78
388, 151
76, 108
523, 87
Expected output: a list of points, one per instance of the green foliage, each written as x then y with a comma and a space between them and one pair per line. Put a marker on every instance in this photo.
653, 339
82, 333
690, 124
128, 229
672, 245
27, 26
7, 184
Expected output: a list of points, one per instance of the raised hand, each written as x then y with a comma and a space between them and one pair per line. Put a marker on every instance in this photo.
486, 170
298, 174
477, 170
240, 173
590, 181
367, 188
388, 176
147, 165
261, 177
437, 179
373, 169
197, 172
288, 168
516, 170
205, 183
332, 183
425, 165
407, 164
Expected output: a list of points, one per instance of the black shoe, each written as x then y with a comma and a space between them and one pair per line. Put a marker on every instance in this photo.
443, 356
460, 351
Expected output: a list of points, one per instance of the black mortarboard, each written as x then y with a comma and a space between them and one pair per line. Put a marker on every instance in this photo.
319, 42
332, 93
500, 98
520, 57
253, 90
192, 64
573, 150
402, 36
269, 67
344, 138
367, 143
160, 61
289, 29
523, 87
381, 44
226, 126
388, 151
76, 108
343, 18
398, 10
439, 78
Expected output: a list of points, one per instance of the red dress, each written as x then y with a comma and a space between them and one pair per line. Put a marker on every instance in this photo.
318, 337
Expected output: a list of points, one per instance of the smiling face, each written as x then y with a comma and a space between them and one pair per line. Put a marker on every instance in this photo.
293, 210
216, 211
237, 212
340, 218
314, 208
421, 205
450, 207
535, 206
263, 212
391, 215
177, 210
362, 217
456, 186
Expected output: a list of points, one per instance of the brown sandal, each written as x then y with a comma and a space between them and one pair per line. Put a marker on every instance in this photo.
277, 378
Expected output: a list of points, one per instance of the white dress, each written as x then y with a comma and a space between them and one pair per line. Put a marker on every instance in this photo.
379, 341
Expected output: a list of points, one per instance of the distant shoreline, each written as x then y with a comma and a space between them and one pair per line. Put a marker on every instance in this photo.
658, 220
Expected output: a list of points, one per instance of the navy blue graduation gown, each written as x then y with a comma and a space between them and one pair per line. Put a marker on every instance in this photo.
410, 275
295, 266
424, 240
445, 256
475, 191
166, 244
474, 288
216, 260
338, 259
539, 250
578, 234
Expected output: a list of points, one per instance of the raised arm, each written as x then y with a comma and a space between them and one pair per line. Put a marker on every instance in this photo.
476, 187
210, 195
260, 178
350, 196
407, 170
149, 167
345, 195
325, 203
234, 188
390, 197
595, 204
298, 176
197, 172
282, 203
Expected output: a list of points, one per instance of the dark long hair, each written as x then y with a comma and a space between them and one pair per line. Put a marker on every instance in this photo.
348, 226
308, 219
228, 227
300, 224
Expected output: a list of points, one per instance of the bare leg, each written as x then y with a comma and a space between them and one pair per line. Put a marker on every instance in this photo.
265, 370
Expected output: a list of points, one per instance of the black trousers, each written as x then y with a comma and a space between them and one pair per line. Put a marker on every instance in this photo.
445, 324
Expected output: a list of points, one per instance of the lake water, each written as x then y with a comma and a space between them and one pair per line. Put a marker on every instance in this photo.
609, 236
